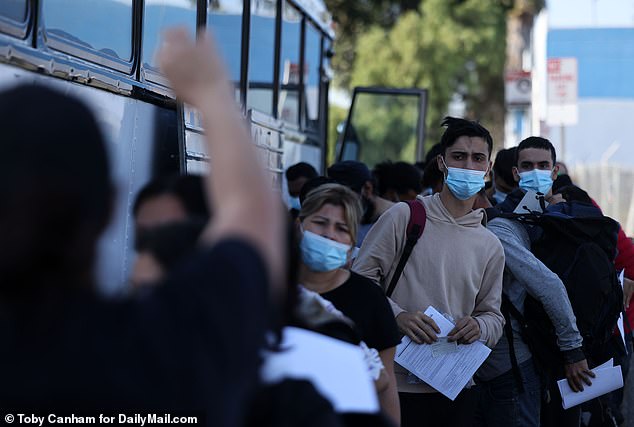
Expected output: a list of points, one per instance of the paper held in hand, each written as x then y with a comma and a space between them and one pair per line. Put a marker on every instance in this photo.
445, 366
608, 378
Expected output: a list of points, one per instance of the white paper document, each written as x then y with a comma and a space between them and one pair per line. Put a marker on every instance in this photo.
608, 378
442, 322
529, 203
445, 366
336, 369
619, 322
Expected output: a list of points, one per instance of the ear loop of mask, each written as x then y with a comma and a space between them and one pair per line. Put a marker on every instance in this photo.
447, 168
445, 174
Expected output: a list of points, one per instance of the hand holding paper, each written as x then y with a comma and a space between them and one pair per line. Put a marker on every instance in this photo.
607, 378
418, 326
577, 374
444, 365
466, 331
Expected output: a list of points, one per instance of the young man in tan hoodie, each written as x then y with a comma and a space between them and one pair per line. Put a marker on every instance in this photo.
456, 267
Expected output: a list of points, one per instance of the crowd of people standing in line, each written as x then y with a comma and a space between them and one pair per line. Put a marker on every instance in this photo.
222, 272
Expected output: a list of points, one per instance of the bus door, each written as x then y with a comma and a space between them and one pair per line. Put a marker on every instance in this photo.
384, 124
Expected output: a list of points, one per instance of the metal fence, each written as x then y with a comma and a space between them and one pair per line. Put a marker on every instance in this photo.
612, 187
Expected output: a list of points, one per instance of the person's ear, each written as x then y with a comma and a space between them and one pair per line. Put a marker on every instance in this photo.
489, 168
441, 165
516, 174
555, 172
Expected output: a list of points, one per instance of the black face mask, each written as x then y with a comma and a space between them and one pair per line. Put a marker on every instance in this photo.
368, 210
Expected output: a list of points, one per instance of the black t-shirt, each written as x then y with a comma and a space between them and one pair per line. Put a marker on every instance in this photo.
364, 302
191, 344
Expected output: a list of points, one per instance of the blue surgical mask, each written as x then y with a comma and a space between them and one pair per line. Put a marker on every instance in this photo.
499, 196
322, 254
538, 180
293, 203
464, 183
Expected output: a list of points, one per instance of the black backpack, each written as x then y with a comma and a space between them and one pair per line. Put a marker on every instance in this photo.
578, 243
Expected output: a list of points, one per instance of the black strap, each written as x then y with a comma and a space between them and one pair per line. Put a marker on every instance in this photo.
507, 307
415, 229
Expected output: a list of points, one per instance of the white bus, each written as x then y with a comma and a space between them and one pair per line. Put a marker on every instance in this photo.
103, 51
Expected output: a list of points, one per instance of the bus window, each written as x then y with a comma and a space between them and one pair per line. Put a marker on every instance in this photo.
384, 123
288, 107
159, 15
14, 10
261, 56
312, 76
224, 17
89, 24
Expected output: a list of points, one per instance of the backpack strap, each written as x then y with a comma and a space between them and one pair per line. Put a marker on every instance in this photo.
508, 308
415, 227
492, 213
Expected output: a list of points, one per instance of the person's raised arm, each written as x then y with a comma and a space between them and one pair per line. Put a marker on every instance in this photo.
238, 189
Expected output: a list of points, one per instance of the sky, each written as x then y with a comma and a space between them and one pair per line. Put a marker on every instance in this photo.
590, 13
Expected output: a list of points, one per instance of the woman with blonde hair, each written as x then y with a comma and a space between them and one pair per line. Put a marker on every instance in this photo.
329, 219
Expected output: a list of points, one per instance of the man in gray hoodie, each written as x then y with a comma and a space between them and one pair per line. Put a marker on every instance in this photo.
501, 401
456, 267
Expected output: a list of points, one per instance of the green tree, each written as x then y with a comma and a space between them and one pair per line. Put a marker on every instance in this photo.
448, 47
352, 19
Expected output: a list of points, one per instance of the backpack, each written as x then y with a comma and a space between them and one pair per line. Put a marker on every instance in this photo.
415, 228
578, 243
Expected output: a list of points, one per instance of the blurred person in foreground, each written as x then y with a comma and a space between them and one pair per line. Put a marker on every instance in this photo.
66, 348
161, 249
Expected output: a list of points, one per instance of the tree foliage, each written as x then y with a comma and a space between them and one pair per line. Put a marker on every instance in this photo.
447, 46
353, 18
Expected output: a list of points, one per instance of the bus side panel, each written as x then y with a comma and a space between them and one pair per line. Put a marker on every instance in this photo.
129, 128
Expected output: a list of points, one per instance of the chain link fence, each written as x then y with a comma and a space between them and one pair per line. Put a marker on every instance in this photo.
612, 187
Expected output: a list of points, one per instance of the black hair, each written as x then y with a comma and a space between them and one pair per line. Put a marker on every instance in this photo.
400, 177
55, 188
299, 170
560, 182
311, 184
432, 175
352, 174
384, 175
433, 152
188, 189
536, 142
408, 177
170, 243
503, 165
572, 193
456, 127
